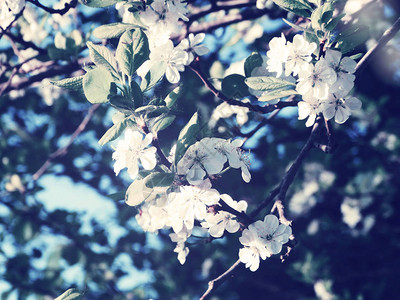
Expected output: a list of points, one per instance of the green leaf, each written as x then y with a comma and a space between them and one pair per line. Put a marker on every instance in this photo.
161, 122
159, 179
348, 40
299, 28
71, 294
172, 97
74, 83
112, 30
266, 83
299, 7
187, 136
138, 192
322, 15
331, 25
123, 104
137, 94
132, 51
99, 3
97, 85
155, 73
103, 57
157, 111
253, 61
357, 56
116, 130
277, 94
233, 86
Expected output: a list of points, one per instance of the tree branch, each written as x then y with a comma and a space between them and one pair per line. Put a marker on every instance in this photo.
63, 150
67, 7
386, 37
215, 283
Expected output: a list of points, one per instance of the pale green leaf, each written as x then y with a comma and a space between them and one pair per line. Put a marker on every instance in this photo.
73, 83
155, 73
116, 130
277, 94
96, 85
187, 136
267, 83
102, 57
299, 7
159, 179
172, 97
112, 30
132, 51
71, 294
99, 3
161, 122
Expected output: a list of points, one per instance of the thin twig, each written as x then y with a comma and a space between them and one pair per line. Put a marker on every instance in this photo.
386, 37
215, 283
63, 150
278, 205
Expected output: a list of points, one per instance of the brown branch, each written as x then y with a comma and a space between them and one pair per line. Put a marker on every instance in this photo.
67, 7
218, 6
51, 70
240, 214
249, 14
63, 150
287, 180
278, 205
257, 108
215, 283
386, 37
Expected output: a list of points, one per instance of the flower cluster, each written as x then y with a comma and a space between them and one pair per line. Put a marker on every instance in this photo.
324, 85
161, 19
8, 10
209, 155
262, 239
179, 205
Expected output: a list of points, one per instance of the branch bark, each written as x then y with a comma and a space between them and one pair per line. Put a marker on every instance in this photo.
386, 37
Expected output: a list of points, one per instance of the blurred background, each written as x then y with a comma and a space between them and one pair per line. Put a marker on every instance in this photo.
59, 229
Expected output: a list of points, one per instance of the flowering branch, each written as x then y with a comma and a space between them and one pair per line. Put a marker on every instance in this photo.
63, 150
261, 109
386, 37
67, 7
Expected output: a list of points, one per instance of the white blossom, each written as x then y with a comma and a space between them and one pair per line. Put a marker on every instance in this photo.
190, 204
344, 68
153, 216
173, 57
225, 110
310, 107
220, 221
299, 56
316, 79
133, 149
8, 10
200, 159
236, 156
340, 107
277, 55
180, 239
263, 239
192, 47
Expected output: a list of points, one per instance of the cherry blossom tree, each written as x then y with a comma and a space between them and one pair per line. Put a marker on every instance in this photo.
183, 125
